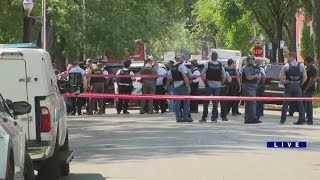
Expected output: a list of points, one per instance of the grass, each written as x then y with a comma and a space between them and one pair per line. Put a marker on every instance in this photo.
316, 104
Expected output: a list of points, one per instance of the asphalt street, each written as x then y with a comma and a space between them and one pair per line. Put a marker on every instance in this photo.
155, 147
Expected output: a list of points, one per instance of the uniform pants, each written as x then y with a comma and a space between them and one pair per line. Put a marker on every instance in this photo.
292, 90
181, 90
194, 92
211, 92
224, 104
147, 88
233, 90
162, 103
96, 88
250, 106
309, 108
260, 104
77, 103
122, 104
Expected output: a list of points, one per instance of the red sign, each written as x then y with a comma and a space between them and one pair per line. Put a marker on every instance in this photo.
139, 53
257, 51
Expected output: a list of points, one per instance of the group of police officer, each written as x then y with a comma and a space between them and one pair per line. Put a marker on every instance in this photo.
220, 80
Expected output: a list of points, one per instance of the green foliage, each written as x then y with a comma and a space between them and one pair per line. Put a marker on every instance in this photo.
307, 46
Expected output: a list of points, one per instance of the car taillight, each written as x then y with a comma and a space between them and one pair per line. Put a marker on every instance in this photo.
45, 120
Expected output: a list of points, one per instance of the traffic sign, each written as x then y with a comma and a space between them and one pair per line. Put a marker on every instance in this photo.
257, 51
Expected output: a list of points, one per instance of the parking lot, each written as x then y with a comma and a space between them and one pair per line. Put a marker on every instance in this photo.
156, 147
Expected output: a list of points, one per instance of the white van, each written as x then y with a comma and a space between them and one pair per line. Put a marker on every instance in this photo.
27, 75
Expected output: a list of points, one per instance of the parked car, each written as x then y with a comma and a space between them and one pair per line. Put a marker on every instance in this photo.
273, 86
15, 162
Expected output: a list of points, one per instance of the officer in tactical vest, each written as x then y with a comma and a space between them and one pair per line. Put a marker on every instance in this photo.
194, 84
250, 76
234, 87
293, 75
260, 87
77, 77
181, 83
213, 75
96, 86
124, 86
224, 90
148, 85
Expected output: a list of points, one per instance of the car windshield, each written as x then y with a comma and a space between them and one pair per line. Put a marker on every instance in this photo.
273, 70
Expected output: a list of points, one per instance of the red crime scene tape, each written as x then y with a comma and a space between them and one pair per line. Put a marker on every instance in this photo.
183, 97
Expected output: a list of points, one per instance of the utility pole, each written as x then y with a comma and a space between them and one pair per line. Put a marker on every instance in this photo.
83, 29
44, 24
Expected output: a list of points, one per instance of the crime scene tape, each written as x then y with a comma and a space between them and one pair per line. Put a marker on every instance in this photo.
187, 97
159, 76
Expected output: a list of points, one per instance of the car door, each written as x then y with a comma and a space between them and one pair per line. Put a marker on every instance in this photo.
14, 83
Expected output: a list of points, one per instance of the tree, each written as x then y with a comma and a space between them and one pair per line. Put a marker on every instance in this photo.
307, 46
316, 28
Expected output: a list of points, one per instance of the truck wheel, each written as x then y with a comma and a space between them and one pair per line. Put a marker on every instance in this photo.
65, 168
50, 168
10, 168
28, 171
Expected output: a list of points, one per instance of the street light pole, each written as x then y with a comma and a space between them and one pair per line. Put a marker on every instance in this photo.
44, 24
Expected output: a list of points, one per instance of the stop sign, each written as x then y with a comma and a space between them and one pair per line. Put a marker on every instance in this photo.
257, 51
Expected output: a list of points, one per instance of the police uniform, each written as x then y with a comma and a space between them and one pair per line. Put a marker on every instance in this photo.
194, 89
293, 72
124, 87
214, 72
180, 88
233, 90
224, 88
148, 87
249, 88
77, 103
260, 91
96, 86
160, 82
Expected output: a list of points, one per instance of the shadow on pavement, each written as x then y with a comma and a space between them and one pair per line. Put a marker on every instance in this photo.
102, 139
83, 177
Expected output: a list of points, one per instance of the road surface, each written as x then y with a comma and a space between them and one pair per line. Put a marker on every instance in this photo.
155, 147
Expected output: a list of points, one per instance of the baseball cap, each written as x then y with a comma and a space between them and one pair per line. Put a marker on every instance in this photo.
89, 61
151, 58
178, 55
251, 58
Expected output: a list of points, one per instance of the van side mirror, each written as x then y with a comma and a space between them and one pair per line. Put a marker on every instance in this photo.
20, 108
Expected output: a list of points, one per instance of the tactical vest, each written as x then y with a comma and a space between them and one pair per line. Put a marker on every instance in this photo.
232, 72
125, 80
294, 73
253, 72
214, 72
176, 74
97, 79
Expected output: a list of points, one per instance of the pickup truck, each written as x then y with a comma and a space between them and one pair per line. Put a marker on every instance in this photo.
29, 76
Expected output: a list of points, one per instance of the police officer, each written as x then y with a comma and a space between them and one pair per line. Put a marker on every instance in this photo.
260, 87
89, 63
234, 87
181, 83
250, 76
224, 91
194, 84
106, 82
148, 85
309, 87
124, 86
160, 90
77, 103
213, 75
293, 75
96, 86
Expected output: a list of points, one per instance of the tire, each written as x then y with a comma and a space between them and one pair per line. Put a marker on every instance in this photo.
65, 168
10, 168
28, 172
50, 168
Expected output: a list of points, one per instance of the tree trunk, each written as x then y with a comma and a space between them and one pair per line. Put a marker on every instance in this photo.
280, 38
28, 30
316, 28
291, 30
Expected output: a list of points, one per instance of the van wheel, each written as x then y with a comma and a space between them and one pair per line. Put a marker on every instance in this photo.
65, 168
28, 172
50, 169
10, 168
